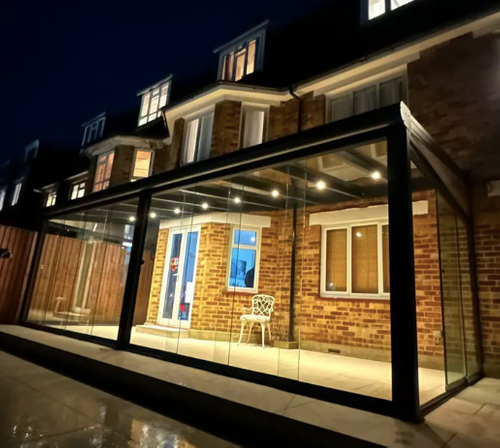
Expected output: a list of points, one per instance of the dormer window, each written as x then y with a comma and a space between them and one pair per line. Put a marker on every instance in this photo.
242, 56
2, 199
93, 129
17, 193
377, 8
31, 150
51, 199
103, 171
153, 99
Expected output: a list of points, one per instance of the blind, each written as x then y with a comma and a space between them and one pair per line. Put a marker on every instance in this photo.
190, 141
385, 258
364, 260
391, 92
340, 108
365, 100
253, 133
336, 260
205, 142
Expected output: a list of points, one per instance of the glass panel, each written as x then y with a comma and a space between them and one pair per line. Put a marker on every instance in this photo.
245, 237
251, 57
385, 259
81, 279
172, 276
164, 95
242, 268
230, 67
365, 100
154, 105
336, 260
190, 137
364, 269
340, 108
375, 8
240, 64
397, 3
188, 277
145, 104
391, 92
142, 164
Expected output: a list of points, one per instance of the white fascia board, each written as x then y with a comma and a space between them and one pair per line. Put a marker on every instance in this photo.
111, 143
374, 213
397, 56
218, 218
224, 92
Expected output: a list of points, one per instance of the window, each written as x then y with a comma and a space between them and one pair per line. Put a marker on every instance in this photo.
239, 62
377, 8
78, 189
355, 260
50, 201
2, 199
142, 164
93, 130
367, 99
198, 139
152, 101
17, 193
244, 259
103, 171
253, 126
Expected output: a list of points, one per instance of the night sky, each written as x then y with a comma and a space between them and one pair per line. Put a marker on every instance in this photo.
66, 61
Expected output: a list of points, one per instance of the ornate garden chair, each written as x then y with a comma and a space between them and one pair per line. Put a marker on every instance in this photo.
259, 313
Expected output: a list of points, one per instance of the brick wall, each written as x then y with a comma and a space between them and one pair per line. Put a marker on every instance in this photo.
161, 159
174, 157
226, 129
121, 171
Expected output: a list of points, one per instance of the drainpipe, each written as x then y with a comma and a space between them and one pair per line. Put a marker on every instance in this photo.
294, 235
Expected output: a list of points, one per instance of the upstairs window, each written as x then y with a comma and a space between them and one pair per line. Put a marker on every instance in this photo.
366, 99
103, 171
93, 130
17, 193
142, 164
240, 62
51, 199
77, 190
2, 199
153, 100
377, 8
198, 139
254, 124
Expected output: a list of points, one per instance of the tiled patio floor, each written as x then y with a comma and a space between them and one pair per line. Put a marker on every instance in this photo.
362, 376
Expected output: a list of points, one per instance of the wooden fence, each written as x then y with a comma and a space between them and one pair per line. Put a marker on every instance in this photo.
14, 270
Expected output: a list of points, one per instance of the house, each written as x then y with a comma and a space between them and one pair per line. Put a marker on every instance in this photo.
336, 204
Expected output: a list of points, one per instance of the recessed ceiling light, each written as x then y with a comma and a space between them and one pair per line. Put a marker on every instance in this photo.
132, 219
275, 193
177, 210
376, 175
153, 215
237, 200
321, 185
204, 206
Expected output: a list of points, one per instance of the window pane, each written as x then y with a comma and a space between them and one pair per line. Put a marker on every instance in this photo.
240, 65
154, 105
242, 268
375, 8
229, 68
190, 141
142, 164
336, 260
365, 100
164, 95
385, 258
145, 104
397, 3
364, 260
251, 57
340, 108
205, 143
391, 92
254, 127
245, 237
109, 165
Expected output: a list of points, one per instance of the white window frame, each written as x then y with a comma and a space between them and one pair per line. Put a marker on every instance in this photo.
161, 93
17, 193
51, 198
256, 248
259, 108
104, 179
78, 186
199, 117
3, 193
381, 295
134, 178
93, 131
356, 87
389, 7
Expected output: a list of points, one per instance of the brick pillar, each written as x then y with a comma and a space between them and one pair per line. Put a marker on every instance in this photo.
122, 165
313, 111
157, 280
226, 130
161, 158
283, 120
174, 155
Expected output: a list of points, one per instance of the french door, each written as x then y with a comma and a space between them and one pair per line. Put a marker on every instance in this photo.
179, 278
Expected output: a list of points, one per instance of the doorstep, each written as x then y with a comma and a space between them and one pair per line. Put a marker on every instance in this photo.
227, 407
158, 330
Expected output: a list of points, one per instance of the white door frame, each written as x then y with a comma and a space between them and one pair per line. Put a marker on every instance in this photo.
174, 321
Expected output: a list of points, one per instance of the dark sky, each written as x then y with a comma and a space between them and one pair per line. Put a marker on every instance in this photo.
65, 61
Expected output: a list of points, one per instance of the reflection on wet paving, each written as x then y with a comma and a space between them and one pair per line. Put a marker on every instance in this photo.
39, 408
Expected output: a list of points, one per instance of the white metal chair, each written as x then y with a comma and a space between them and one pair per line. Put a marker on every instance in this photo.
259, 313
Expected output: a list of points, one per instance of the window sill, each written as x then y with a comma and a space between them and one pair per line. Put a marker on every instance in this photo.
242, 291
340, 296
